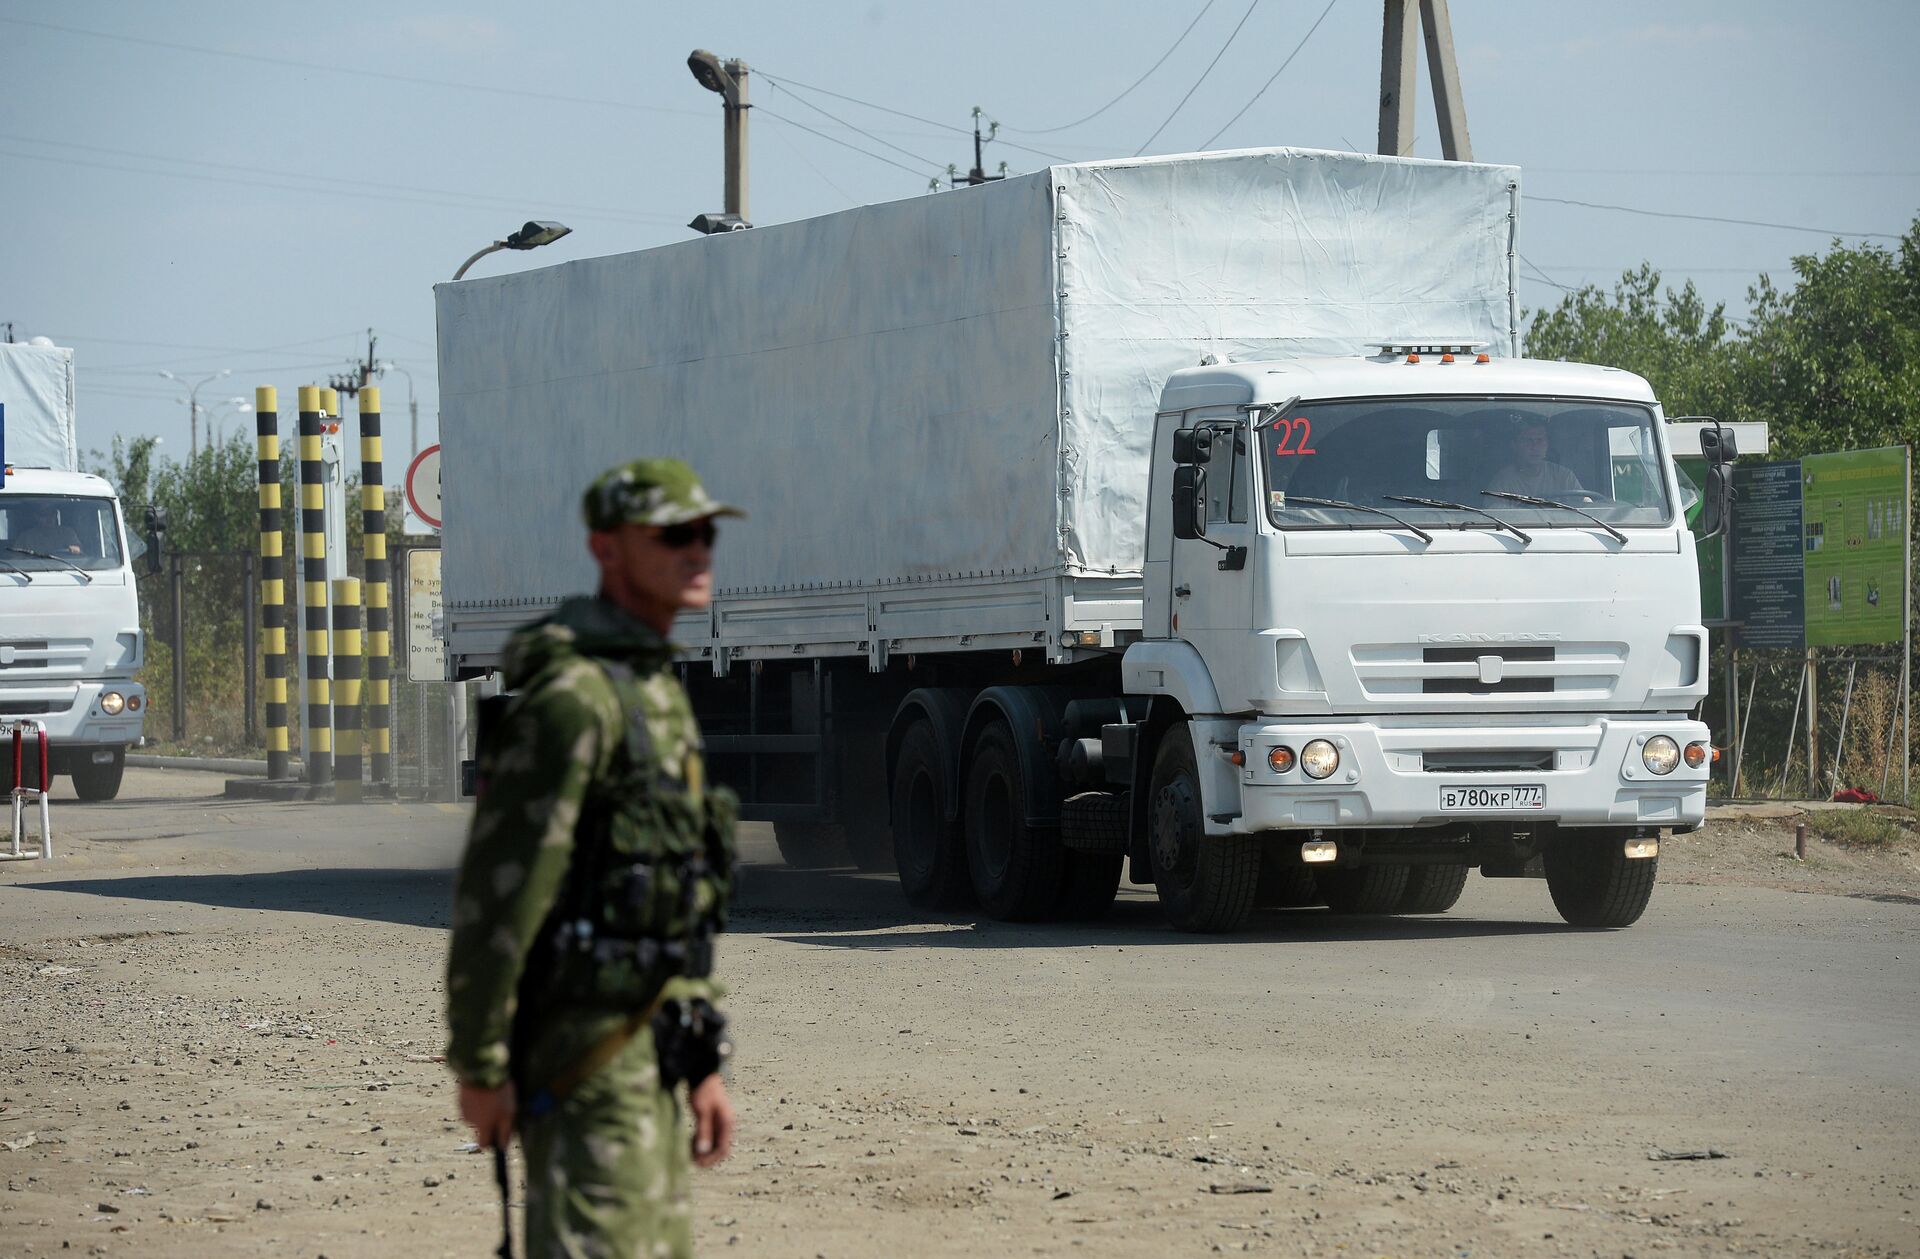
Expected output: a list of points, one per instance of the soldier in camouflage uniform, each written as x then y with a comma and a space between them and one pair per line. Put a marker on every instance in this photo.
595, 873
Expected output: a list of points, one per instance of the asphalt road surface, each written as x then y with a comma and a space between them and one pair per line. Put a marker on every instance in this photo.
221, 1018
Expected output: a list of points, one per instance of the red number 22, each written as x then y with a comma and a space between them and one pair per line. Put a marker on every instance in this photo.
1299, 431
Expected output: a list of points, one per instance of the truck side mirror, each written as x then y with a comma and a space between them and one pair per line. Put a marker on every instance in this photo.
1189, 502
1717, 445
155, 538
1192, 445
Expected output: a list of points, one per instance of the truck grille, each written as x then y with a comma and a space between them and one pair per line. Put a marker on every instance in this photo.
31, 707
1491, 761
48, 657
1397, 671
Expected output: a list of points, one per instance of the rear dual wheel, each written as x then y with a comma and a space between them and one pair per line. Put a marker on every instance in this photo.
928, 849
1018, 869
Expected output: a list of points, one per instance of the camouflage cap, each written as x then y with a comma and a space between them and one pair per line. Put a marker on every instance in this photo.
649, 492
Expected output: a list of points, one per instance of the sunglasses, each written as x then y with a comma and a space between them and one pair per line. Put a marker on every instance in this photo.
680, 537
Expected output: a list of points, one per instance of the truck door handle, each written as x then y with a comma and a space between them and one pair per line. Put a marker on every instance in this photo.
1182, 591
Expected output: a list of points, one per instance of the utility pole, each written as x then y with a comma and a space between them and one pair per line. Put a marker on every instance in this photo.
978, 175
351, 383
1397, 81
729, 79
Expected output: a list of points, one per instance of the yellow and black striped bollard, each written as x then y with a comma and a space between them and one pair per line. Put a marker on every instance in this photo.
346, 690
373, 541
313, 530
273, 580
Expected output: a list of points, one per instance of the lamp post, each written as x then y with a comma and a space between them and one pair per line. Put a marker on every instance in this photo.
193, 406
219, 411
729, 79
413, 410
531, 236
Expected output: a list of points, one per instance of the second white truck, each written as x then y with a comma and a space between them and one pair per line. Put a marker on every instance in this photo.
1188, 518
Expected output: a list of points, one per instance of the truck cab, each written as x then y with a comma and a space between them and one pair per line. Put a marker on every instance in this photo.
70, 638
1418, 612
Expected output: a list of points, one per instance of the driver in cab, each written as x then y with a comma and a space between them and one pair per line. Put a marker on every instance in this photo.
1529, 471
36, 527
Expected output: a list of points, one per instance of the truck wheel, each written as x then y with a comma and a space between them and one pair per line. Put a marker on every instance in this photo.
1364, 889
100, 782
926, 846
811, 845
1092, 881
1206, 883
1016, 868
1592, 882
1284, 886
1433, 889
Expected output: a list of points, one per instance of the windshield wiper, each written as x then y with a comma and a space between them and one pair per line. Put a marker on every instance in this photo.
1410, 527
1515, 530
58, 559
1618, 536
15, 568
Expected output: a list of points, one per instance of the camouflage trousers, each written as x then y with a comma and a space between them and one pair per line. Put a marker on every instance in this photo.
607, 1168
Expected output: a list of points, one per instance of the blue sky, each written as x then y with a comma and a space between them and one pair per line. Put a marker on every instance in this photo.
193, 187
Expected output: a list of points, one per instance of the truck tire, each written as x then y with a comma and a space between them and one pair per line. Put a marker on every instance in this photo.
926, 846
1364, 889
1205, 883
1091, 882
100, 782
811, 845
1433, 889
1592, 881
1284, 885
1016, 868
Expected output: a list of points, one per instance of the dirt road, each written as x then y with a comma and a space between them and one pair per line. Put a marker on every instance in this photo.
220, 1019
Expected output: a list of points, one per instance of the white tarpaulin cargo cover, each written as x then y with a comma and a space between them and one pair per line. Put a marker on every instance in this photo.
36, 387
955, 385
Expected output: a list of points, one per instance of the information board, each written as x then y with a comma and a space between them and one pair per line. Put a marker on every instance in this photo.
426, 652
1769, 580
1855, 518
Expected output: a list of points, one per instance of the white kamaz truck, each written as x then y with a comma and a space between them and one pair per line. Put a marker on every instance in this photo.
70, 637
1189, 518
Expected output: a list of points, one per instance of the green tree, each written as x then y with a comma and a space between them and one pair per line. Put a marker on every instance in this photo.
1833, 363
1673, 338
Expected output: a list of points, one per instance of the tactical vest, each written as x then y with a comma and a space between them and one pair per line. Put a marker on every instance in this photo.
649, 880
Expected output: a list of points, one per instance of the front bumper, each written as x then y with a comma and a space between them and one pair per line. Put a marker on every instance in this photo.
1592, 774
72, 712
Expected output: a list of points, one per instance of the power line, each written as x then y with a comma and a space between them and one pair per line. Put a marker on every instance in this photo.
801, 100
764, 111
809, 164
1709, 218
328, 68
1544, 277
1043, 131
1276, 74
443, 199
281, 173
790, 82
1202, 79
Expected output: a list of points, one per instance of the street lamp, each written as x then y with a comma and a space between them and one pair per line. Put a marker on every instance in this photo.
226, 406
729, 79
193, 406
531, 236
413, 410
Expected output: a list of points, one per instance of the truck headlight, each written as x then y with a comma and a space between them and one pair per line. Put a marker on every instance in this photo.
112, 702
1660, 755
1319, 758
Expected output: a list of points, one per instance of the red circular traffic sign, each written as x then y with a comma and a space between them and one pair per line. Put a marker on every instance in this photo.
423, 485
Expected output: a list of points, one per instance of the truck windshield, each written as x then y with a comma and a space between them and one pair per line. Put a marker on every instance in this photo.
52, 532
1600, 457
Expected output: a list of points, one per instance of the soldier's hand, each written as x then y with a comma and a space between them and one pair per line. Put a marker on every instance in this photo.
712, 1120
489, 1112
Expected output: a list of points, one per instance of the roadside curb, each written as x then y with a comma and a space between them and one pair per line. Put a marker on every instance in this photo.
205, 764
